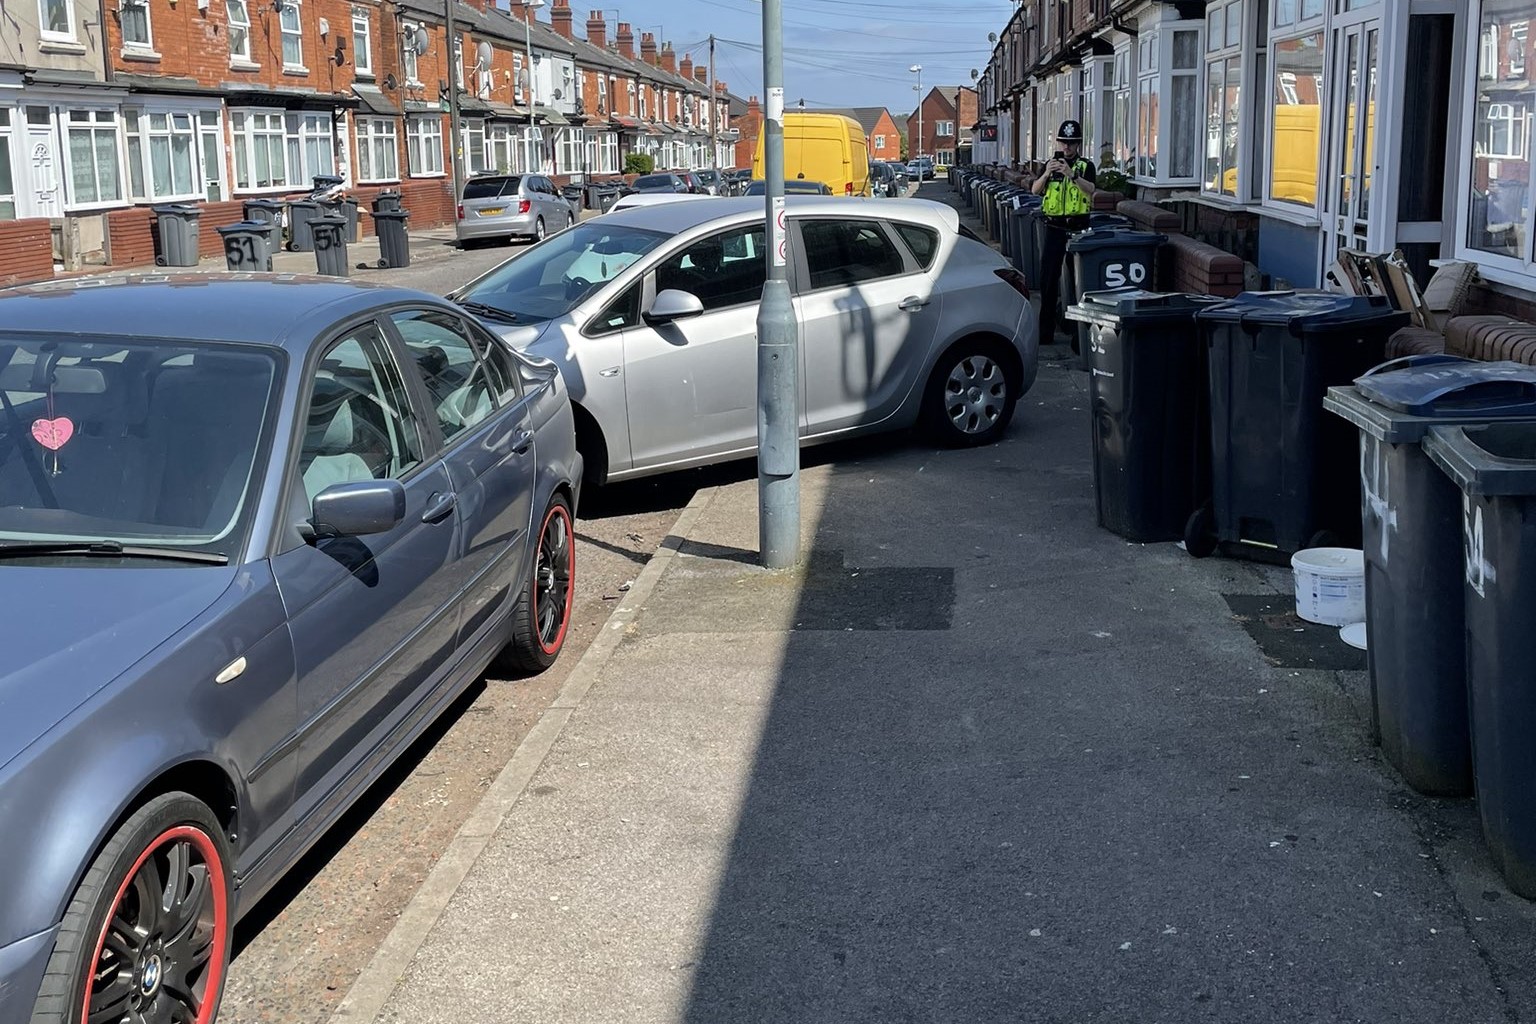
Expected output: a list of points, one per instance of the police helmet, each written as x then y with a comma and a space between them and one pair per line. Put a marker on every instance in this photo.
1070, 131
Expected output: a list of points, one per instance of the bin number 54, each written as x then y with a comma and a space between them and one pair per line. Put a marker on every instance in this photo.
1118, 275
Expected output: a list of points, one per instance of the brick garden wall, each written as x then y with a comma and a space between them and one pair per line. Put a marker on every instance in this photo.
26, 251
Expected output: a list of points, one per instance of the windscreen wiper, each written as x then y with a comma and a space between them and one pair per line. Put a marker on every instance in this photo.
109, 549
493, 312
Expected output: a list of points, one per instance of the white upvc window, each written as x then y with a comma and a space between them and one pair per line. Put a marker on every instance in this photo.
408, 63
476, 153
362, 42
1224, 99
424, 144
278, 150
163, 154
7, 178
1519, 42
602, 94
879, 141
944, 129
458, 61
519, 83
378, 150
210, 133
1122, 132
1169, 114
57, 20
1098, 109
1295, 115
1496, 222
291, 24
133, 18
503, 151
238, 17
568, 150
95, 177
608, 158
311, 147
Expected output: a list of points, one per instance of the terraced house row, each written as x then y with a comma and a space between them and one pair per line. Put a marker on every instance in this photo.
108, 107
1286, 130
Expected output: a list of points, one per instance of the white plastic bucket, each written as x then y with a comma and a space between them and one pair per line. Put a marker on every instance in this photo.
1330, 585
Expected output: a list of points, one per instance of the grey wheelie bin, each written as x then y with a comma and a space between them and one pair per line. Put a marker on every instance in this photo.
330, 240
1285, 476
246, 246
270, 213
1411, 535
1494, 465
300, 213
387, 201
176, 223
394, 241
1147, 396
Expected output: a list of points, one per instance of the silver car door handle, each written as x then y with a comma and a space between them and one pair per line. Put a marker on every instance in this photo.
440, 507
522, 442
912, 303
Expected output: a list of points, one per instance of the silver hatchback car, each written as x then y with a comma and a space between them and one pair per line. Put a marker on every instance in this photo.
512, 206
651, 314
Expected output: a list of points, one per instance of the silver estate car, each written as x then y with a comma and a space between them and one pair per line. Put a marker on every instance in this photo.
651, 314
512, 206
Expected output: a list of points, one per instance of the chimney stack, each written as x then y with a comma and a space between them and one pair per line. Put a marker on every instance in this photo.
668, 59
597, 30
701, 75
560, 15
753, 107
648, 47
625, 37
686, 67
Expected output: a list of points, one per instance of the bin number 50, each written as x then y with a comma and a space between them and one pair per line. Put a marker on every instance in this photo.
1118, 275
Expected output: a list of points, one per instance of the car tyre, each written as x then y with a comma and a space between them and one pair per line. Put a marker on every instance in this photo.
538, 230
971, 396
570, 221
118, 947
541, 619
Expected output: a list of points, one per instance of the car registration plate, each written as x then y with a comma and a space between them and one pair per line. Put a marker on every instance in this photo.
491, 211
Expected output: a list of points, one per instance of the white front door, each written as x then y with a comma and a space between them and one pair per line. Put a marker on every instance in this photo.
41, 194
1352, 147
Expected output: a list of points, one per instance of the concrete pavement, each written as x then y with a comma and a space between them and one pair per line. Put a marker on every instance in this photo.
977, 761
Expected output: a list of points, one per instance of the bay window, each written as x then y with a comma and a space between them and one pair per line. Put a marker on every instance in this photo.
568, 151
1169, 114
277, 150
476, 159
1098, 113
378, 149
1223, 96
1497, 208
1296, 124
1123, 133
424, 144
162, 155
503, 152
91, 138
7, 181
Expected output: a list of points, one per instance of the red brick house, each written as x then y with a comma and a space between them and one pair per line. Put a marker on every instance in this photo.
879, 129
748, 124
948, 113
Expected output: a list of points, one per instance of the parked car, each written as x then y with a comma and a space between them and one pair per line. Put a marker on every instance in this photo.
650, 199
921, 168
511, 206
882, 180
652, 315
712, 181
738, 180
659, 183
797, 187
256, 534
903, 177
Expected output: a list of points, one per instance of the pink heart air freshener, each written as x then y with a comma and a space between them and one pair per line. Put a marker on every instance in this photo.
53, 434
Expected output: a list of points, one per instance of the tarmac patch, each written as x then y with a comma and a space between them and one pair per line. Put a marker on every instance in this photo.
1287, 641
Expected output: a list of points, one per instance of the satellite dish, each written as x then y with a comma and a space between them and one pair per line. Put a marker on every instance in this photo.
340, 56
389, 81
486, 54
420, 42
559, 95
991, 37
975, 74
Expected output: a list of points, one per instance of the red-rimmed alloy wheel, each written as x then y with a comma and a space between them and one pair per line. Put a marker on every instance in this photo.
147, 935
542, 617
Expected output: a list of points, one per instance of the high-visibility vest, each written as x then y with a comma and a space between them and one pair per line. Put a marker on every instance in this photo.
1063, 198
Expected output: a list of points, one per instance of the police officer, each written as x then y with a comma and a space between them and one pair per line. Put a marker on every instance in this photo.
1067, 185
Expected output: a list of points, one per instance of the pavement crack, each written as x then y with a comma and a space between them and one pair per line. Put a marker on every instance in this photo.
1511, 1015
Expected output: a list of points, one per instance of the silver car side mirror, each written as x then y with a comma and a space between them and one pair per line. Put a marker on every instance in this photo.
671, 305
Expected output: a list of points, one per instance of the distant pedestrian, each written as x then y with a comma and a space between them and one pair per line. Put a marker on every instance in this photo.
1067, 187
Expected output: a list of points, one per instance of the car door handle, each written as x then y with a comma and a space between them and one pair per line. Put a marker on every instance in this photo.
439, 507
912, 303
522, 441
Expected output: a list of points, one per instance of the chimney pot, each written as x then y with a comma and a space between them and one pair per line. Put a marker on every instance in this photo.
597, 31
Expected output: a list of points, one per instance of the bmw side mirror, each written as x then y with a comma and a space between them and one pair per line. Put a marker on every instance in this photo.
671, 305
354, 510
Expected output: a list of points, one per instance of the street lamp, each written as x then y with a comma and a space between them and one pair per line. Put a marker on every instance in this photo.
917, 69
533, 83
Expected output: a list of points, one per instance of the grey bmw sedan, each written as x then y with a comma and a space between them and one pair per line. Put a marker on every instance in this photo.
256, 533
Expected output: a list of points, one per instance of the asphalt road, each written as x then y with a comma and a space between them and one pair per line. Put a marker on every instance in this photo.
297, 952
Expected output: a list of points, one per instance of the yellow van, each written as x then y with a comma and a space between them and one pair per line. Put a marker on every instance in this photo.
829, 148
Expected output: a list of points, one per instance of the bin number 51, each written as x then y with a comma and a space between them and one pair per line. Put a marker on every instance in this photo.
1118, 275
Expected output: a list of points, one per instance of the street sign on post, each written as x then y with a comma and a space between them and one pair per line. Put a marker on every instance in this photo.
778, 342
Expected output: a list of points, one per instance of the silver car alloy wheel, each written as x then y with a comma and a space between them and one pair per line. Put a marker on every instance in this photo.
975, 394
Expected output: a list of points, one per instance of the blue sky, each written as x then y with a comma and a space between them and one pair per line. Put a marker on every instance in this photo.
838, 53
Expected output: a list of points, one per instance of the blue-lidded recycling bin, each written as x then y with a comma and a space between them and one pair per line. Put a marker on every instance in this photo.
1411, 535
